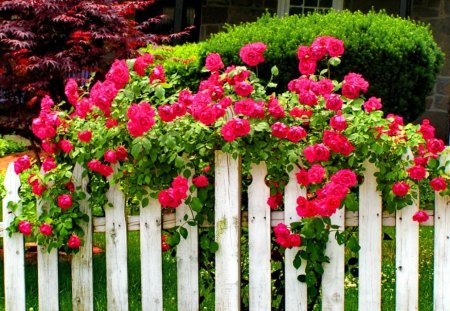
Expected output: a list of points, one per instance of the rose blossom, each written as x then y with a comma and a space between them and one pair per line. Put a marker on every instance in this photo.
71, 91
21, 164
85, 136
65, 145
316, 153
118, 74
74, 241
252, 54
48, 164
46, 229
345, 177
279, 130
121, 153
400, 188
110, 156
338, 122
65, 201
438, 184
372, 104
316, 174
25, 227
274, 201
421, 216
200, 181
213, 62
142, 62
158, 74
296, 133
417, 172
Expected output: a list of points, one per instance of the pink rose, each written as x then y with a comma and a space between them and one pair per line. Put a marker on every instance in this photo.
110, 156
200, 181
121, 153
338, 122
166, 113
296, 133
274, 201
65, 201
74, 241
280, 130
94, 165
307, 66
302, 177
46, 229
435, 145
243, 88
158, 74
168, 198
142, 62
421, 216
21, 164
252, 54
316, 153
438, 184
65, 145
417, 172
110, 123
25, 227
426, 129
48, 164
85, 136
316, 174
118, 74
372, 104
214, 62
334, 102
345, 177
400, 188
71, 91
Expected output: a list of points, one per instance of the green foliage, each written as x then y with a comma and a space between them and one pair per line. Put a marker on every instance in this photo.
8, 146
398, 57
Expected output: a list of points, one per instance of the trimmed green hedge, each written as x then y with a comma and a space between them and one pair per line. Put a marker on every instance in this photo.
398, 57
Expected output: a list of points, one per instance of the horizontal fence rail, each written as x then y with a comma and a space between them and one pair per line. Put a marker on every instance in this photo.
229, 219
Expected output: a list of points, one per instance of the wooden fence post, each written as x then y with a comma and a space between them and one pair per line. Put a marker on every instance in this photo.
442, 249
82, 277
14, 262
259, 231
116, 249
151, 256
227, 232
296, 292
187, 262
370, 221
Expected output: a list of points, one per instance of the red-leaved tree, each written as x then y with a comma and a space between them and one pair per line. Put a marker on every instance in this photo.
43, 42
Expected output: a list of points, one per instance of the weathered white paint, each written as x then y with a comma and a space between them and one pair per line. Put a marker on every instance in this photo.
370, 241
259, 240
407, 259
82, 277
442, 254
47, 272
227, 232
333, 293
296, 295
187, 262
14, 268
116, 249
151, 256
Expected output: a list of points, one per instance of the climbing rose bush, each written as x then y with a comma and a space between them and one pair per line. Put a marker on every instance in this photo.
139, 130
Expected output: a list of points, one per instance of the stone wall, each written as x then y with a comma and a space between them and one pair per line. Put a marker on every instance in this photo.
216, 13
437, 14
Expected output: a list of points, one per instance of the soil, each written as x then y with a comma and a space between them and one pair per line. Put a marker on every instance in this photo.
4, 162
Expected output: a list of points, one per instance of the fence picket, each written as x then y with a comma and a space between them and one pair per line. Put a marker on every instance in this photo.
82, 277
151, 256
116, 250
296, 294
187, 263
14, 263
227, 232
370, 219
259, 240
333, 293
442, 253
407, 259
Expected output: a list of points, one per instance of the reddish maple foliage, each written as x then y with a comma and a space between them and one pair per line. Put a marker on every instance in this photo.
43, 42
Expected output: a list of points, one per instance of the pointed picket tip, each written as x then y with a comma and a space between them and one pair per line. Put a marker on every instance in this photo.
12, 180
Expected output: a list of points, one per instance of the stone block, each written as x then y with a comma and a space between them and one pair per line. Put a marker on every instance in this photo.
239, 15
429, 102
214, 15
441, 102
207, 30
243, 3
420, 12
271, 4
443, 85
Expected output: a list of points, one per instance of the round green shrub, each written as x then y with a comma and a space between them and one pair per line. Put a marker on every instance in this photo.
398, 57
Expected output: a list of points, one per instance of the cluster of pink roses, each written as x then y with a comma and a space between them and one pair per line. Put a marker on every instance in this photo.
308, 56
140, 118
285, 238
173, 196
327, 199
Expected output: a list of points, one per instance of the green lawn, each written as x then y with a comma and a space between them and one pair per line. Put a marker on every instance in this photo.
169, 266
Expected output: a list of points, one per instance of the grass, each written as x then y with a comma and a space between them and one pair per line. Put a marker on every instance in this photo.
169, 277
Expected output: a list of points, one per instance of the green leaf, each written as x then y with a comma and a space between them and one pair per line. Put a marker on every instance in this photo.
351, 202
297, 261
144, 202
334, 61
160, 92
179, 162
302, 278
183, 232
352, 244
274, 70
213, 246
196, 204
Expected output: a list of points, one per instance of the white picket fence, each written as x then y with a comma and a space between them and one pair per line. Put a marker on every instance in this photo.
228, 222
